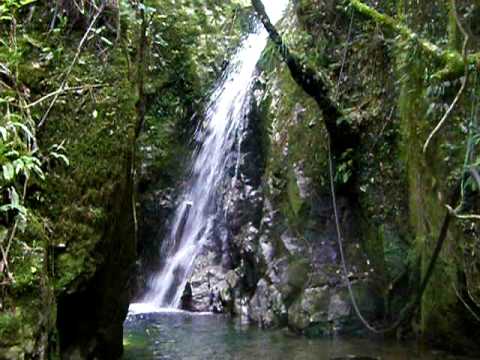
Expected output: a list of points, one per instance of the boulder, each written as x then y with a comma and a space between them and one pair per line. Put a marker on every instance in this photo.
311, 310
266, 307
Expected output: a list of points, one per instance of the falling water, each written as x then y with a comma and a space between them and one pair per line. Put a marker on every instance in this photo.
217, 139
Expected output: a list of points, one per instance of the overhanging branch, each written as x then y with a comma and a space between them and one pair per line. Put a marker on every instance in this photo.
453, 62
341, 134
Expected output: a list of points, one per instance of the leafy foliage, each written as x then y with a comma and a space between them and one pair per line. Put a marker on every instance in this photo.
22, 162
9, 7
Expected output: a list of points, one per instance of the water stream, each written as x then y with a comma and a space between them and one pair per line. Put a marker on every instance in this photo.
218, 140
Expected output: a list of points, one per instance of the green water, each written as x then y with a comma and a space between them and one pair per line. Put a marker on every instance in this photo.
186, 336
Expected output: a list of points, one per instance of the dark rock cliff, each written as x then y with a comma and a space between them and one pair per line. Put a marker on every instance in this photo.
285, 268
90, 319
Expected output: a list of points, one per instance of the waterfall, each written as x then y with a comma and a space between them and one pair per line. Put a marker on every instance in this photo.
217, 139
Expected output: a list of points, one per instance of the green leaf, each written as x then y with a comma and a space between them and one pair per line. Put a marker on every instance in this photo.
106, 41
27, 2
12, 153
8, 171
25, 129
3, 133
22, 210
39, 172
60, 157
19, 166
15, 204
15, 199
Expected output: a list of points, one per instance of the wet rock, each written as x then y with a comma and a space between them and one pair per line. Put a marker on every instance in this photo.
248, 238
215, 301
241, 309
311, 310
297, 275
339, 308
324, 310
232, 279
186, 300
205, 283
341, 312
268, 249
278, 272
211, 287
292, 243
266, 307
304, 183
243, 205
154, 205
320, 279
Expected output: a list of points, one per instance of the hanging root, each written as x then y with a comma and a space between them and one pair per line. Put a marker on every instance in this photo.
464, 302
411, 308
464, 79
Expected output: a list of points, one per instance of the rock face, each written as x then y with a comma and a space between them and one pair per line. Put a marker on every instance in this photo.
155, 205
90, 317
281, 263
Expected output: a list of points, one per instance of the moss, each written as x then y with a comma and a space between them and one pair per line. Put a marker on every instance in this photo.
71, 267
400, 192
376, 247
20, 329
298, 270
294, 198
9, 328
452, 59
293, 136
427, 189
84, 223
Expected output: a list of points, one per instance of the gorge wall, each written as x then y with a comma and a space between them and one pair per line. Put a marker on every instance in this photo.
74, 260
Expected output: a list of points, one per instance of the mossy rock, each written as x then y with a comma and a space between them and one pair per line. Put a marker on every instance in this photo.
309, 313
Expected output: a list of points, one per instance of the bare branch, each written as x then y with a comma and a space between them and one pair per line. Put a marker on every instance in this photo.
60, 91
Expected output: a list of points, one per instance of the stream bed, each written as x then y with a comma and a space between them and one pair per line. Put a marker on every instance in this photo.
189, 336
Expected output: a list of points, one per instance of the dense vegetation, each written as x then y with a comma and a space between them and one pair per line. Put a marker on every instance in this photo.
99, 100
406, 86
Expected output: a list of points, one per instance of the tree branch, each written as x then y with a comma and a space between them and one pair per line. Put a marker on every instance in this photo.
61, 91
141, 66
341, 134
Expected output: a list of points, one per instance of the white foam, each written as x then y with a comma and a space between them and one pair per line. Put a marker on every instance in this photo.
149, 308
